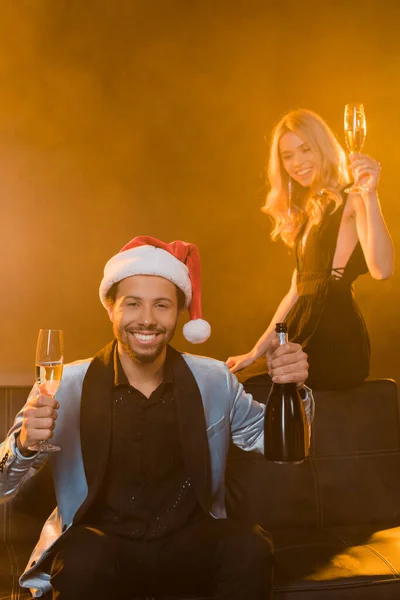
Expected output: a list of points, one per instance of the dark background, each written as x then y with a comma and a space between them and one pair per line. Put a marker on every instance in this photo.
127, 118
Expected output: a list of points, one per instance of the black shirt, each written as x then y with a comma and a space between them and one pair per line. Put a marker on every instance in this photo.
146, 492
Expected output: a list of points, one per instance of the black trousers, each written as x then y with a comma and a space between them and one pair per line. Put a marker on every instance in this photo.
224, 558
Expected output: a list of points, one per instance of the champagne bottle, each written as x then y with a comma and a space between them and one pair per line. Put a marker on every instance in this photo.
286, 437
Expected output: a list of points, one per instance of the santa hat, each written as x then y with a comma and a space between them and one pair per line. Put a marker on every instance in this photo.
178, 262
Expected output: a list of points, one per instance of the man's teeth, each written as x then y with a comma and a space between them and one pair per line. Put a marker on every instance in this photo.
145, 337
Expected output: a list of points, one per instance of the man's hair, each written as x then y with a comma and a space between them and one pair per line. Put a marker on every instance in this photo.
111, 296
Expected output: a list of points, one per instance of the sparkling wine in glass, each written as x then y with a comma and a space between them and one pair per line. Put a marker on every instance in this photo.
49, 367
355, 130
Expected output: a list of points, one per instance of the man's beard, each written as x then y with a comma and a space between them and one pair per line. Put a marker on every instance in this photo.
139, 357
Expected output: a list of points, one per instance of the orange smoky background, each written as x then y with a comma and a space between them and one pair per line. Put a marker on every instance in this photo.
143, 117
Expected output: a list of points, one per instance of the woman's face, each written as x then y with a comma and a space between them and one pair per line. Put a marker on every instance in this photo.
298, 158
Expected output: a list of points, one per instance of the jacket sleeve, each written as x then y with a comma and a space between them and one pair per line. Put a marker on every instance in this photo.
247, 416
14, 467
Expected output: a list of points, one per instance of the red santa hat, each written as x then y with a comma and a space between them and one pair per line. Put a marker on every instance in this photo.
178, 262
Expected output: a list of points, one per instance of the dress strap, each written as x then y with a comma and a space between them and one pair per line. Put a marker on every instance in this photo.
338, 272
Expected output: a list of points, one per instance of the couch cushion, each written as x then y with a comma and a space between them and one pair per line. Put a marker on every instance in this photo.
338, 563
354, 563
13, 559
356, 454
274, 496
350, 478
365, 418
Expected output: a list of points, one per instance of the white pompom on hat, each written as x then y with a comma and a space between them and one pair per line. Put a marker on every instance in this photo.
178, 262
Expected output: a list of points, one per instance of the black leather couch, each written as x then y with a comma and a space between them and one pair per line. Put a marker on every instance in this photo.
335, 519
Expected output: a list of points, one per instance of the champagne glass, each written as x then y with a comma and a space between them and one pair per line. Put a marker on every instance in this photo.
355, 130
49, 367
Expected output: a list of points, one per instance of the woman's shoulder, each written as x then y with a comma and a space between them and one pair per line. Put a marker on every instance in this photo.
337, 206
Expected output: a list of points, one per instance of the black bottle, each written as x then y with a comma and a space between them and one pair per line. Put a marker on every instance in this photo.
286, 438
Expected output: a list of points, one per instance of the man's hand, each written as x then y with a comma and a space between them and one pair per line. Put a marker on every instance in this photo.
38, 421
287, 363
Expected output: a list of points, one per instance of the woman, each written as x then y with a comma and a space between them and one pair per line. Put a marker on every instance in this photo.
336, 237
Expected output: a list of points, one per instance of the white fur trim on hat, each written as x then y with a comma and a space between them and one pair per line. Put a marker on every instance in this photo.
197, 331
145, 260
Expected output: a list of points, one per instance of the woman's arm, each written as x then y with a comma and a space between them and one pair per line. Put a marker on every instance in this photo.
283, 309
244, 360
372, 231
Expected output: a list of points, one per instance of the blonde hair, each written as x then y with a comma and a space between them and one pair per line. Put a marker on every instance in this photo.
331, 175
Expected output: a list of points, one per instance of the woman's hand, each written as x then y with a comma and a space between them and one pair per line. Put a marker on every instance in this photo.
235, 363
366, 170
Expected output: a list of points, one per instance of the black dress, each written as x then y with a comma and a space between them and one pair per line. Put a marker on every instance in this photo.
325, 319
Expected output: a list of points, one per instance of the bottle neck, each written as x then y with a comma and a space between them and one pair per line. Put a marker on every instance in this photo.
282, 337
284, 386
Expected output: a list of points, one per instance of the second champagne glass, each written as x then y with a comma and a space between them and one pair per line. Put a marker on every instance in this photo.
355, 130
49, 366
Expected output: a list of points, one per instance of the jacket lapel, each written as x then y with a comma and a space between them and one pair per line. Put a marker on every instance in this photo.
192, 428
96, 421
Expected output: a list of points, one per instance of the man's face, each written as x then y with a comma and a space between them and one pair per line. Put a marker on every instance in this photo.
144, 316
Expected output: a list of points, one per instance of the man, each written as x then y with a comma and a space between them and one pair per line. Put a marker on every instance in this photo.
144, 434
